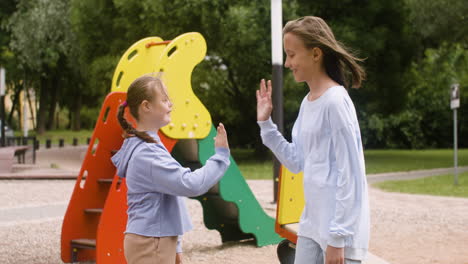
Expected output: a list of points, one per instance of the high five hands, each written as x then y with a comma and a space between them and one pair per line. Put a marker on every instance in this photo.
264, 103
264, 108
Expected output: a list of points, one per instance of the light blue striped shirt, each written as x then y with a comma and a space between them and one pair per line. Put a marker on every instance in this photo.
326, 145
156, 182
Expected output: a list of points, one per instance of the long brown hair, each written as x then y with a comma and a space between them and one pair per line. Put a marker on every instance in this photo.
338, 61
141, 89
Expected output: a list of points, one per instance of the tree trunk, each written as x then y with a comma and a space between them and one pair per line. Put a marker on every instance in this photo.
14, 104
76, 117
41, 115
31, 110
52, 104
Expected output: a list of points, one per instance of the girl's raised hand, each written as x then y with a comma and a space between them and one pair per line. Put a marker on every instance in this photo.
221, 139
264, 104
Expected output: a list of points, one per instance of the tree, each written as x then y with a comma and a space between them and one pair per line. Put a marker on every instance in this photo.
436, 22
76, 44
7, 60
41, 40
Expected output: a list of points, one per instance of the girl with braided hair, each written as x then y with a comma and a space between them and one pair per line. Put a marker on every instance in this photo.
156, 182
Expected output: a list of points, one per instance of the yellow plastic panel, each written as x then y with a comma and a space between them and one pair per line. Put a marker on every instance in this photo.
190, 118
138, 60
291, 198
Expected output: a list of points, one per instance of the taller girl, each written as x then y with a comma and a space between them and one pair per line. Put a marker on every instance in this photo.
326, 145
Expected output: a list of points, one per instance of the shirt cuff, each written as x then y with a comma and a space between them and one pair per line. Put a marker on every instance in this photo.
224, 152
179, 245
267, 124
336, 241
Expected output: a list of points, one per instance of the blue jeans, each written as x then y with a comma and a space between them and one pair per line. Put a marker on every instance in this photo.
309, 252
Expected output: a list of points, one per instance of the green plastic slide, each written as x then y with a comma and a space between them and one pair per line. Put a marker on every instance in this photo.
230, 207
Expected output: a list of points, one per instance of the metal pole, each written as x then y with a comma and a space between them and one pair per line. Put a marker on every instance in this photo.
2, 117
2, 106
455, 146
277, 79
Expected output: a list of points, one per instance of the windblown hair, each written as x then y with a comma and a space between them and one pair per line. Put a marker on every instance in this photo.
340, 64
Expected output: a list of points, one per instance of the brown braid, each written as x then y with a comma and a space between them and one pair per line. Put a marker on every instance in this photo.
141, 89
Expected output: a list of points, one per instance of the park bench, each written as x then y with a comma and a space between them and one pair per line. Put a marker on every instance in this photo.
8, 154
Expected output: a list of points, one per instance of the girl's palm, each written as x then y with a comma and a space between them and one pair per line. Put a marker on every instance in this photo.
264, 104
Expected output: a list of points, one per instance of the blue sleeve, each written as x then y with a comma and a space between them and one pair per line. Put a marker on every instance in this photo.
347, 148
288, 153
168, 176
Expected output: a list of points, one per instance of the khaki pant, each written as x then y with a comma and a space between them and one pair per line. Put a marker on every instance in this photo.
149, 250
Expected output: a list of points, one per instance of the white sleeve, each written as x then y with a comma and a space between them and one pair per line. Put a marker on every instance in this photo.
288, 153
349, 193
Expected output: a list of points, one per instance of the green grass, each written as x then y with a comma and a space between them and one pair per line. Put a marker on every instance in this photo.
55, 135
251, 165
258, 171
377, 161
437, 185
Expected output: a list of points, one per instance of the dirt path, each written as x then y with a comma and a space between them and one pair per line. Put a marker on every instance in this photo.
410, 175
409, 229
405, 228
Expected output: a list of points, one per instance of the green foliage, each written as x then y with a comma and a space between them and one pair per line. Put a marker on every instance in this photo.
377, 31
427, 119
439, 21
89, 117
44, 57
39, 34
414, 49
7, 7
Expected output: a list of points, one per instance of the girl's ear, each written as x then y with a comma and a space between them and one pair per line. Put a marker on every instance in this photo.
145, 106
317, 54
